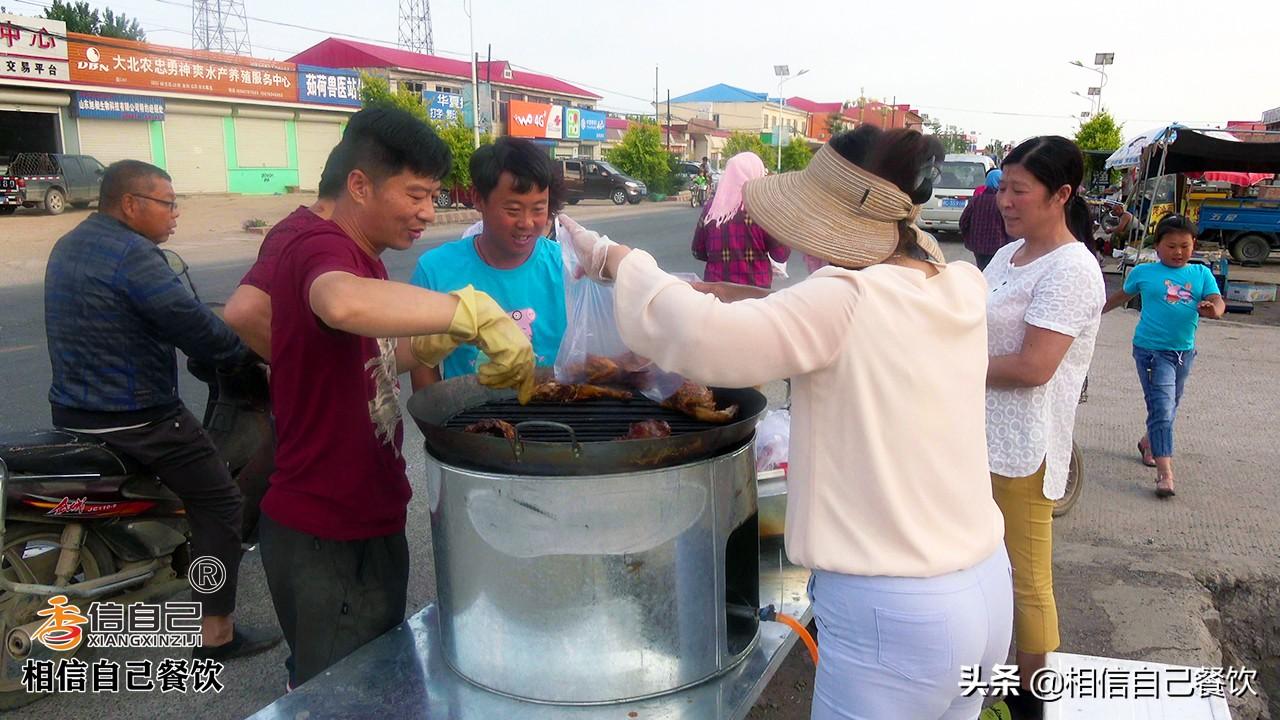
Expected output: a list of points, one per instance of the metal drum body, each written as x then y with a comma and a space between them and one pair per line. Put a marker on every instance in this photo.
596, 589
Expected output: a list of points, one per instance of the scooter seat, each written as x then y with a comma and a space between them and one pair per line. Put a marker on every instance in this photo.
59, 452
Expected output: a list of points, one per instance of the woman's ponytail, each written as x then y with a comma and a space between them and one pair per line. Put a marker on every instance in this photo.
1079, 221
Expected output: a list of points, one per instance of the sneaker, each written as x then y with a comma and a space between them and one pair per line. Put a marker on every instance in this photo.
244, 642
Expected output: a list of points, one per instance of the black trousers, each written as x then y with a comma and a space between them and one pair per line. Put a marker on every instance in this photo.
183, 457
982, 260
331, 597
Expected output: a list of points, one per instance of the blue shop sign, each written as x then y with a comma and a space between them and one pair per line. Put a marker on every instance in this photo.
443, 105
593, 126
328, 86
107, 106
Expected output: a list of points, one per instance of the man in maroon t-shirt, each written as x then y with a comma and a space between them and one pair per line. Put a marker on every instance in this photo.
333, 524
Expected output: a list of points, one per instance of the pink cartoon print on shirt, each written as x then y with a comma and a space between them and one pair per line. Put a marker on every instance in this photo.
524, 318
1177, 294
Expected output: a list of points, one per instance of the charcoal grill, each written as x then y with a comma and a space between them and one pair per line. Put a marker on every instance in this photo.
578, 438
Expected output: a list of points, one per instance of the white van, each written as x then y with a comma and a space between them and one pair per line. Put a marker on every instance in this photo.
961, 175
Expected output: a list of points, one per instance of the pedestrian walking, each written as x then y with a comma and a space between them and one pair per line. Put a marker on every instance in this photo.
1175, 295
735, 249
1044, 304
981, 225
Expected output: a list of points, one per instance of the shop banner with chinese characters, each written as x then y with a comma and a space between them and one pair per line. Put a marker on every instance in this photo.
593, 126
118, 107
328, 86
443, 106
112, 62
534, 120
33, 49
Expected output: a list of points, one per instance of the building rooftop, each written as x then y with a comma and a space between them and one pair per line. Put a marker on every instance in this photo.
721, 93
342, 53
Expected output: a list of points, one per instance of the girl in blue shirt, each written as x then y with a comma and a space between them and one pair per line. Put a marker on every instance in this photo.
1175, 295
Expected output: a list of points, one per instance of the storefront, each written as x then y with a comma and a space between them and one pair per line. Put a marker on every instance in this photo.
32, 52
217, 123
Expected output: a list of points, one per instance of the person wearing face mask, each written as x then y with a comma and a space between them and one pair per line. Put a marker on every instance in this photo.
509, 257
889, 497
1043, 311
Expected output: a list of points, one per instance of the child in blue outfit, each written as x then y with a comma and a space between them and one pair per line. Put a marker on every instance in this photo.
1175, 295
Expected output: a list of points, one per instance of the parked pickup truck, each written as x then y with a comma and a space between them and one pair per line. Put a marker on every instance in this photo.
1249, 228
49, 180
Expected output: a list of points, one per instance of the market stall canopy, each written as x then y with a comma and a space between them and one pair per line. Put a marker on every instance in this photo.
1235, 178
1130, 154
1186, 150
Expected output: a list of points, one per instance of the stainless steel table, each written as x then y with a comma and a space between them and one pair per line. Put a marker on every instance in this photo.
403, 675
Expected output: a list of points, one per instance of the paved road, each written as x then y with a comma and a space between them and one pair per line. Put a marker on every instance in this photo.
254, 683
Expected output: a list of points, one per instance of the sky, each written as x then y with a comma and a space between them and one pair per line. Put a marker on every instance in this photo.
998, 68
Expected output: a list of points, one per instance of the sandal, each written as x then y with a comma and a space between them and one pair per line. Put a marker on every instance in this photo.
1164, 487
1147, 458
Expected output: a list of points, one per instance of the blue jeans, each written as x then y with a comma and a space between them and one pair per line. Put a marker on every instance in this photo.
893, 647
1163, 374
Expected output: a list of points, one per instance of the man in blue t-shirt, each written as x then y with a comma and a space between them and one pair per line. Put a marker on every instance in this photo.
508, 258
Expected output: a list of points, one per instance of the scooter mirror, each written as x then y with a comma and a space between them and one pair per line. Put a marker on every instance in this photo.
176, 263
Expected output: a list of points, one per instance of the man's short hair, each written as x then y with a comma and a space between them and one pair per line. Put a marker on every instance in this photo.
332, 179
528, 164
123, 177
382, 142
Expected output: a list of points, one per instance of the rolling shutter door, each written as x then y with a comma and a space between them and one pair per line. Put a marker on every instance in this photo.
315, 141
261, 143
112, 140
196, 153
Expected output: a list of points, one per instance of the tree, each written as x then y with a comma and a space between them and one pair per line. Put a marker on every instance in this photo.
642, 155
952, 138
461, 141
995, 150
837, 123
375, 91
1102, 134
740, 142
80, 18
796, 154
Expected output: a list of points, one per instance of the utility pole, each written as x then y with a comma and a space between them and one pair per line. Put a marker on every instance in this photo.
655, 94
475, 80
668, 120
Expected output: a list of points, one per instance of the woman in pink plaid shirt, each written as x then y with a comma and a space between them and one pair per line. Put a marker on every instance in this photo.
735, 249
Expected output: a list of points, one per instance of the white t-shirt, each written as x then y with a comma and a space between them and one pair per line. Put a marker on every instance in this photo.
1063, 292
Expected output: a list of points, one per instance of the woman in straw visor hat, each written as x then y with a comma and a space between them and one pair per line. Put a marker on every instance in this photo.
889, 500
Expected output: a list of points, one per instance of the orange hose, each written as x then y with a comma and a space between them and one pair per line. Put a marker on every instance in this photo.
803, 633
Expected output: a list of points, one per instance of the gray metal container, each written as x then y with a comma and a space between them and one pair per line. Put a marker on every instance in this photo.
596, 589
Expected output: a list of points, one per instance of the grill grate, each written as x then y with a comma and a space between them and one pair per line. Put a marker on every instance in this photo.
592, 420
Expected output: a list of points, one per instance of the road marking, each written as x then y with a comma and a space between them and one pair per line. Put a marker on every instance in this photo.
17, 348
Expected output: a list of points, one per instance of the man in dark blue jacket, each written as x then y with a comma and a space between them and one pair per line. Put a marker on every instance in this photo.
114, 312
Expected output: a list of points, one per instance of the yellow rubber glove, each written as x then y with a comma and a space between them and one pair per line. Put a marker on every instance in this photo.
482, 322
431, 350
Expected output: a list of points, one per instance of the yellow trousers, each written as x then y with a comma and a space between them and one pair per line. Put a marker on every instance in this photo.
1028, 536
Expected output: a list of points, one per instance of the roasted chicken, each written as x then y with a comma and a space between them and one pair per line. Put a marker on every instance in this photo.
566, 393
627, 369
648, 430
699, 403
494, 427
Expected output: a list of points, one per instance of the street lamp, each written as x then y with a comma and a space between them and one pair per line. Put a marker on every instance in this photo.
1092, 106
475, 90
783, 72
1101, 60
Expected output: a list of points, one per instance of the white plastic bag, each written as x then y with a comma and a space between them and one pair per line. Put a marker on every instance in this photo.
773, 440
591, 340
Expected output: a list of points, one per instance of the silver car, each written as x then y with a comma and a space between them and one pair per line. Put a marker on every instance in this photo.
961, 175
